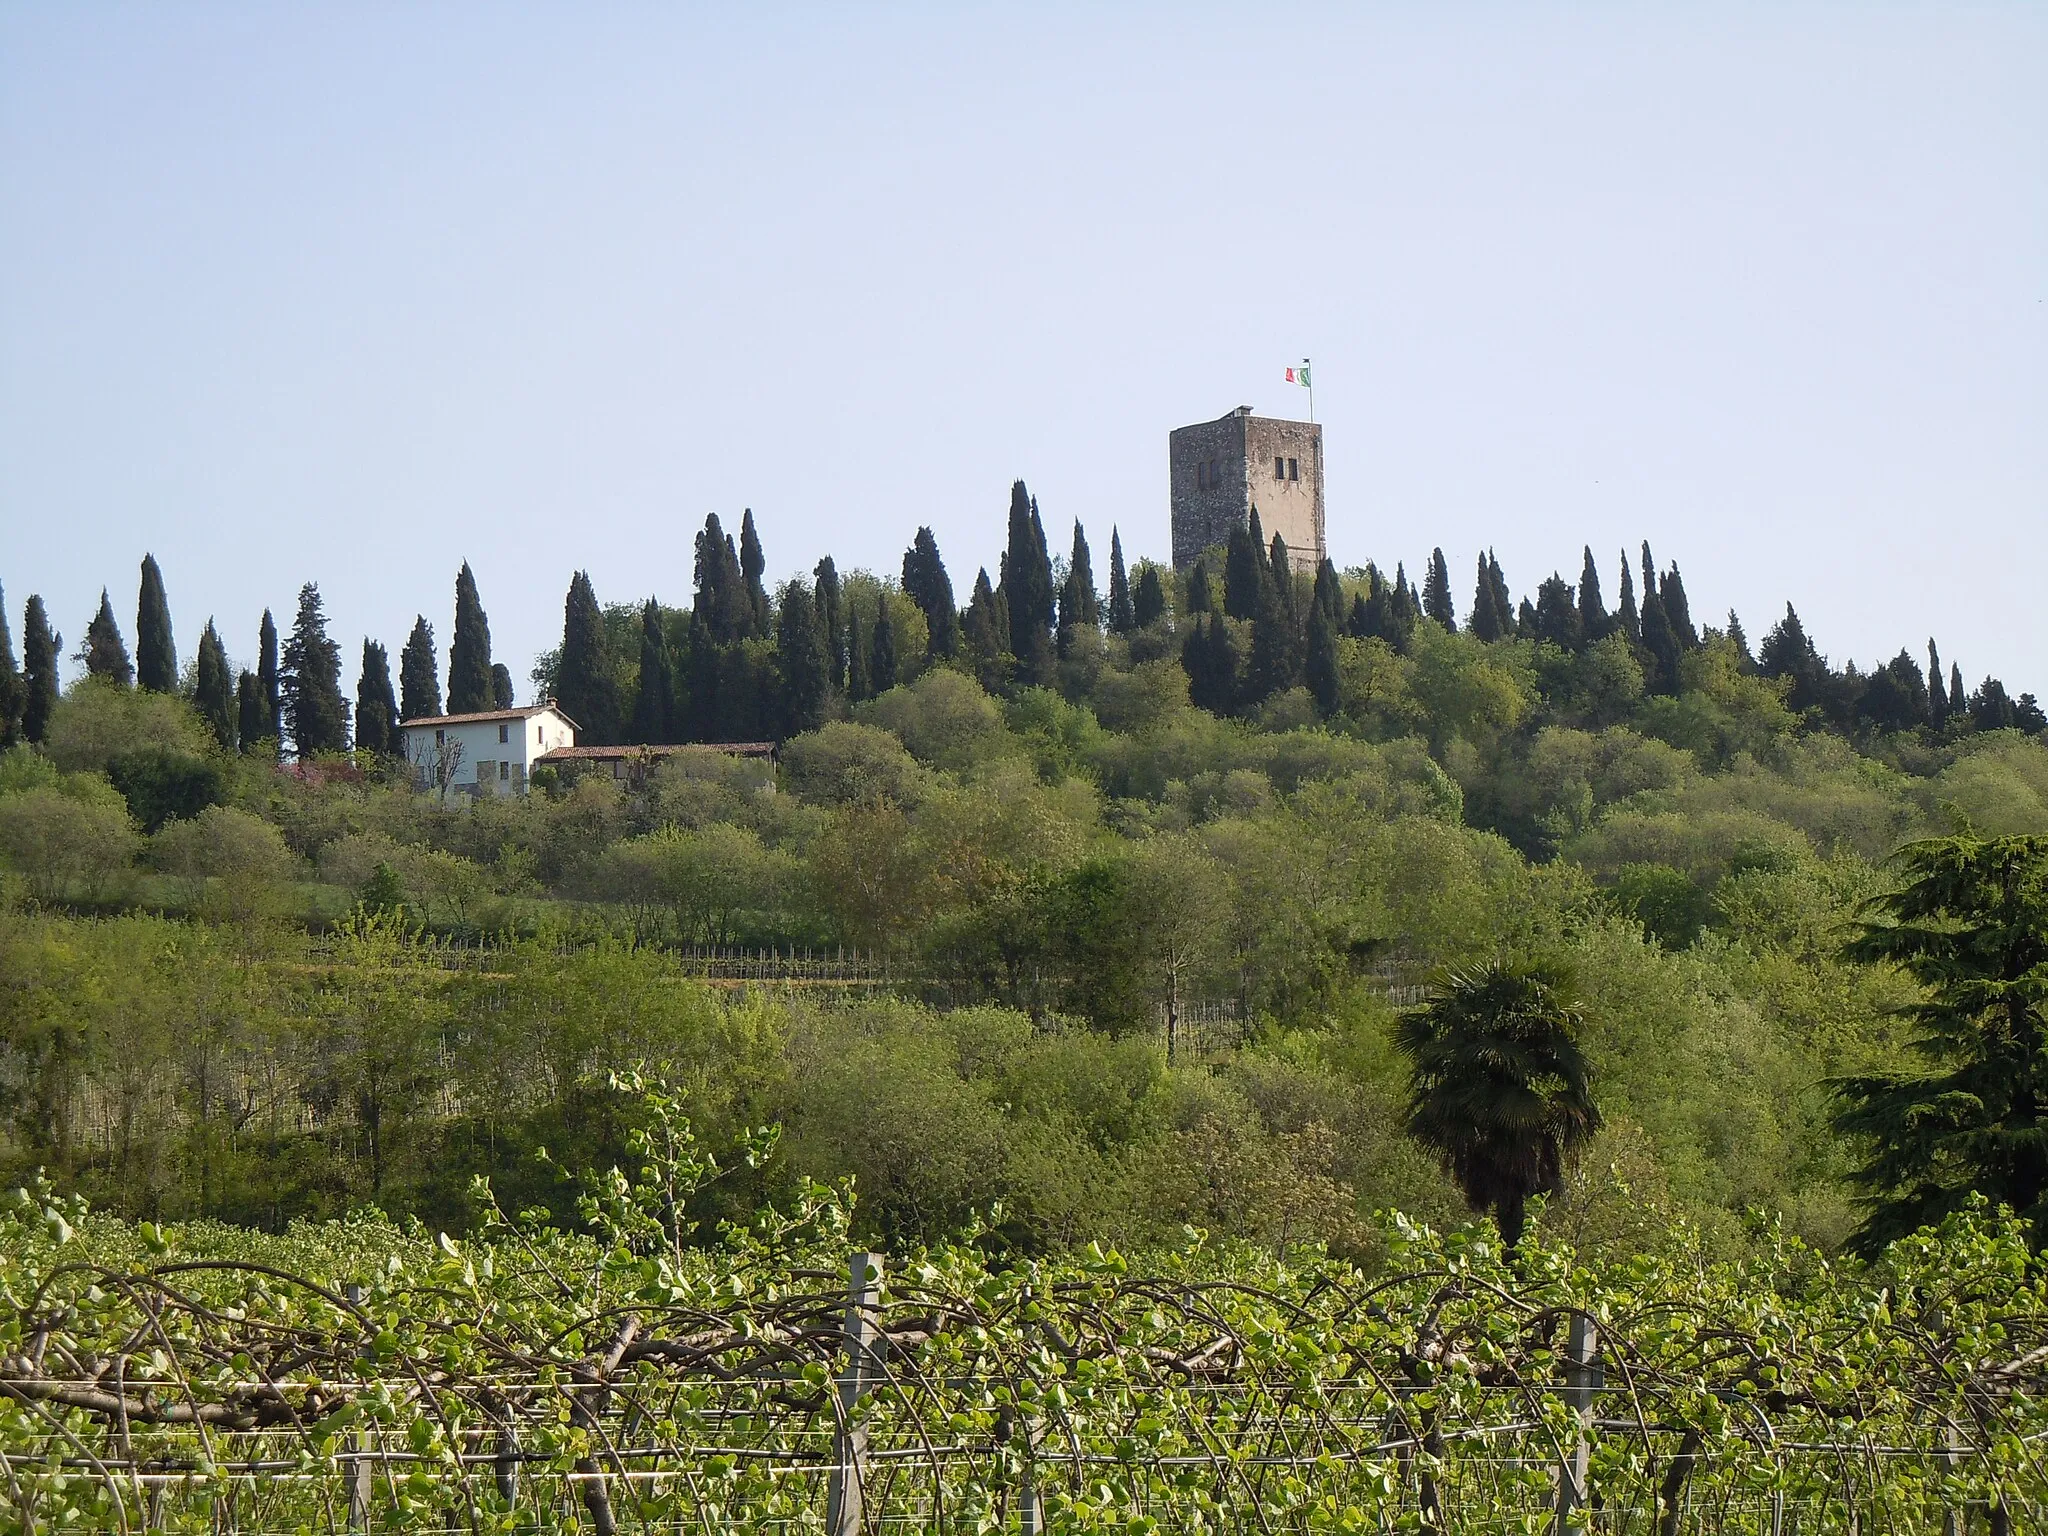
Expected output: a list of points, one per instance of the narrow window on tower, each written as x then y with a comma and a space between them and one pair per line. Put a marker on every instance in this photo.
1279, 469
1294, 469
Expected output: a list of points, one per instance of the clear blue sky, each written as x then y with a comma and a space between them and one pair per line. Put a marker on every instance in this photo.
352, 293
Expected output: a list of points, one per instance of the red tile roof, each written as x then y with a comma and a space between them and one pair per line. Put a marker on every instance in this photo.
527, 713
626, 753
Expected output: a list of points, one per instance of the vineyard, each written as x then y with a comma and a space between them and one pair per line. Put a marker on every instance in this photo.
359, 1376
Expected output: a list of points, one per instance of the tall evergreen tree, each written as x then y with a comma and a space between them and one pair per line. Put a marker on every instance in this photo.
249, 715
882, 652
752, 566
270, 685
1080, 608
39, 650
833, 619
858, 658
1321, 670
469, 658
982, 633
1209, 657
1557, 615
376, 702
1148, 603
1486, 619
1525, 620
1360, 623
1677, 612
1740, 637
1895, 698
1329, 594
1247, 571
1403, 611
586, 679
105, 654
654, 704
1436, 593
1937, 694
1991, 706
1660, 640
1626, 614
1201, 596
1957, 699
1123, 617
419, 673
503, 692
13, 691
804, 663
719, 609
156, 652
926, 584
314, 711
1277, 639
213, 692
1503, 600
1593, 622
1028, 589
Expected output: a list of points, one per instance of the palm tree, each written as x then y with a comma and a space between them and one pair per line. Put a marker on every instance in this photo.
1499, 1087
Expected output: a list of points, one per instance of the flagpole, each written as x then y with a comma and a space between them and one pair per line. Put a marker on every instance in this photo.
1310, 370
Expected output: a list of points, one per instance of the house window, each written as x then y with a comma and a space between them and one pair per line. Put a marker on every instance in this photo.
503, 733
1294, 469
1279, 469
440, 738
504, 772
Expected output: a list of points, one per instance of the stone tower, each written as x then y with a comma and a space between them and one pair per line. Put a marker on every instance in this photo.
1220, 470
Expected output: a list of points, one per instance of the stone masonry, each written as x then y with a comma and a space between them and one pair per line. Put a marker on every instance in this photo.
1220, 470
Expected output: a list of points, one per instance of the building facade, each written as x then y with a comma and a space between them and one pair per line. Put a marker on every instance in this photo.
484, 754
1219, 470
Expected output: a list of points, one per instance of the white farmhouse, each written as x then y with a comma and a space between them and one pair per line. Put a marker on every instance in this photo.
484, 754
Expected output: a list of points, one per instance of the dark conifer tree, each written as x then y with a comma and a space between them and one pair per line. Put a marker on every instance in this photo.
469, 658
1247, 574
1593, 621
1278, 641
1503, 600
802, 660
981, 632
1937, 694
1991, 707
13, 691
859, 656
1123, 614
1321, 671
1625, 615
882, 652
1027, 588
832, 619
1201, 596
1486, 624
39, 650
1677, 612
213, 692
105, 654
1209, 657
1525, 620
503, 693
753, 564
654, 702
1360, 624
310, 678
926, 584
419, 674
1329, 594
1740, 637
1958, 701
1660, 641
1148, 604
2028, 716
156, 652
1436, 593
586, 678
249, 714
715, 609
1403, 611
1557, 615
1079, 606
376, 702
1281, 562
1895, 698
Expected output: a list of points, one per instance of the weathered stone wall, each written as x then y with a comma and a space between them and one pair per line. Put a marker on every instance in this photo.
1219, 470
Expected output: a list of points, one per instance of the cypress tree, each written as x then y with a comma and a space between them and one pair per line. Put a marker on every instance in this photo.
270, 685
1957, 699
105, 655
1200, 598
1402, 610
752, 565
1148, 604
248, 710
1277, 640
1677, 612
38, 670
13, 691
1937, 694
1209, 657
1027, 588
1485, 617
310, 676
1321, 670
1991, 706
586, 679
982, 631
1281, 563
1503, 601
1740, 637
1247, 571
1123, 615
469, 658
926, 584
156, 653
1525, 620
1080, 608
1592, 610
376, 704
831, 618
1360, 624
419, 673
213, 693
502, 691
1660, 641
1557, 615
882, 659
1436, 593
804, 663
1626, 618
1329, 594
653, 705
858, 658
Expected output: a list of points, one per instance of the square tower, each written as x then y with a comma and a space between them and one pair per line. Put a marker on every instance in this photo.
1219, 470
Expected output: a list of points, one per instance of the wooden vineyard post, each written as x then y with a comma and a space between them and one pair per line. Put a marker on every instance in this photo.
864, 1345
357, 1463
1583, 1377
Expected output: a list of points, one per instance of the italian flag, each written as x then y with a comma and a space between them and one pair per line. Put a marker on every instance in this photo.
1298, 375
